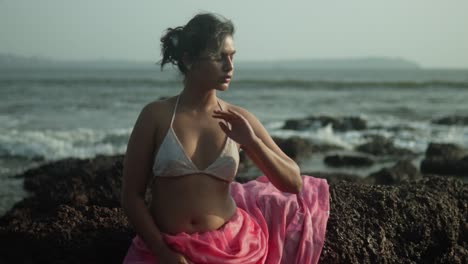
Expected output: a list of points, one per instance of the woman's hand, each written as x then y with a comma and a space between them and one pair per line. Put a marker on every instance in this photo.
168, 256
241, 131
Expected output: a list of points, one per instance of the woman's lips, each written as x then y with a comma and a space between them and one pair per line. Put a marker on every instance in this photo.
226, 79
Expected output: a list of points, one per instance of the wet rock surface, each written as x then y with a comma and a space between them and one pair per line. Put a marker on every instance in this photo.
402, 172
73, 216
445, 159
381, 146
334, 177
445, 150
338, 124
297, 148
452, 120
348, 160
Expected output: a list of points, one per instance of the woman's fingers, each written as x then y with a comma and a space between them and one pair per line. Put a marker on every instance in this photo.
225, 117
217, 112
224, 128
231, 115
234, 113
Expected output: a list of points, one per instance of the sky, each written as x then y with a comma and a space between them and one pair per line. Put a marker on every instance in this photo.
432, 33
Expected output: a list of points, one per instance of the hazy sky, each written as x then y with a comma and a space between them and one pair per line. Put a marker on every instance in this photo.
433, 33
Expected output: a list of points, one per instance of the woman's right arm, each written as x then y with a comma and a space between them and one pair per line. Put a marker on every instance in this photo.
136, 173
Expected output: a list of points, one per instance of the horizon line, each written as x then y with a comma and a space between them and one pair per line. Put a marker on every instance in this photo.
266, 60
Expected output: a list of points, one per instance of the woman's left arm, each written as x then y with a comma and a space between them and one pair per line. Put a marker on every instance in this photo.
247, 130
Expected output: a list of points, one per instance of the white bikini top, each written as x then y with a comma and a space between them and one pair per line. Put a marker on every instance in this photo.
171, 159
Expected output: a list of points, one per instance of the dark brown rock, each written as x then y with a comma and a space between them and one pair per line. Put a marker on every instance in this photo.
297, 148
334, 177
445, 151
381, 146
442, 166
445, 159
402, 172
76, 182
452, 120
420, 222
348, 161
338, 123
88, 234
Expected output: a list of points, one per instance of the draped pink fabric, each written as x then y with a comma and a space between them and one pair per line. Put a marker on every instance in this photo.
269, 227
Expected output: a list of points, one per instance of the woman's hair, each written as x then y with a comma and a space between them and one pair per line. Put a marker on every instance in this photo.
203, 31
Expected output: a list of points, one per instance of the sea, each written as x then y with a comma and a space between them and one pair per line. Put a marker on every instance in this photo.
51, 114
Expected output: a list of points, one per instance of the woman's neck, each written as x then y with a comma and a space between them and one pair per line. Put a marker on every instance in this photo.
198, 100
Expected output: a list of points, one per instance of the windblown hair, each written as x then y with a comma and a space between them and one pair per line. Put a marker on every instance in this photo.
204, 31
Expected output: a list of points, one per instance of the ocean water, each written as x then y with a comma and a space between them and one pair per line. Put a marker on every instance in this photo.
47, 115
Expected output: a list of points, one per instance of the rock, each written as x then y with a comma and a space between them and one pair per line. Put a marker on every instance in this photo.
442, 166
348, 161
338, 124
452, 120
445, 151
77, 182
65, 234
396, 129
420, 222
297, 124
334, 177
381, 146
402, 172
295, 147
445, 159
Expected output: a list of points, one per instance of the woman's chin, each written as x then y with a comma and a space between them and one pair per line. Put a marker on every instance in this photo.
223, 87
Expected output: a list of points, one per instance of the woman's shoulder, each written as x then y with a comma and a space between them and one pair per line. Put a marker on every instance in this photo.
155, 114
160, 106
244, 112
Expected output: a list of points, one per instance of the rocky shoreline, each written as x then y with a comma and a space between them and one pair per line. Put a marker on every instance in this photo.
399, 214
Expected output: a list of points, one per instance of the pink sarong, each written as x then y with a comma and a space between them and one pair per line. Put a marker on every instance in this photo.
269, 227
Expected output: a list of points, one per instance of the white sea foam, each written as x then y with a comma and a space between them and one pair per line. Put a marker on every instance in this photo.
52, 145
413, 135
323, 135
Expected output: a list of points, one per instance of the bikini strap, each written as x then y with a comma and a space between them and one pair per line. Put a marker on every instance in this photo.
175, 109
227, 123
219, 105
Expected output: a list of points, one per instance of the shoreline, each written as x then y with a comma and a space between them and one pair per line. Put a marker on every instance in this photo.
366, 159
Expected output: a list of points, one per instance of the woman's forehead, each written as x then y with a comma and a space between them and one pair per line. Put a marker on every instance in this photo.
228, 45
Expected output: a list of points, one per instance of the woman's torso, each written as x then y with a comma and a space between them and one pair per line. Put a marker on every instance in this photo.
193, 203
196, 202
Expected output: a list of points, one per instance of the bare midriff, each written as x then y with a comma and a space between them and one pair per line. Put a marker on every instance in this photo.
190, 203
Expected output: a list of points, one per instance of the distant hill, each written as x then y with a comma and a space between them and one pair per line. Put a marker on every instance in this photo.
9, 61
351, 63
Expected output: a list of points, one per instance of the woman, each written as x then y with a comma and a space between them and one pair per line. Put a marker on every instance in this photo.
186, 150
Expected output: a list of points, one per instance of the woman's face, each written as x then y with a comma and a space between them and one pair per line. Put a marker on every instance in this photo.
214, 71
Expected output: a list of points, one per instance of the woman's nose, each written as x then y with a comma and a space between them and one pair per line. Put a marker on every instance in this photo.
228, 64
